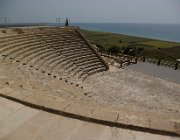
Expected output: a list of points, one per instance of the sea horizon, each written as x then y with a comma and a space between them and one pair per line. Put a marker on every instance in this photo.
159, 31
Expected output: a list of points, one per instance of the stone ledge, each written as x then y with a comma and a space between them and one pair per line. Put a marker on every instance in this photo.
98, 114
104, 114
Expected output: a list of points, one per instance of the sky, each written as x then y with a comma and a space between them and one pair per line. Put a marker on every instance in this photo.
92, 11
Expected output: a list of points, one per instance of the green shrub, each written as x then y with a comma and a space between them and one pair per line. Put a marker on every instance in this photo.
114, 50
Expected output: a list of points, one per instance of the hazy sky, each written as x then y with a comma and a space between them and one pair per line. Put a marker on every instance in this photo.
126, 11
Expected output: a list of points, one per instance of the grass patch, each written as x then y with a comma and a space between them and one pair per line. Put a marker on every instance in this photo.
160, 44
136, 46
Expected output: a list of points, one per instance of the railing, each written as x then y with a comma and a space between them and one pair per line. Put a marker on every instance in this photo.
35, 21
121, 58
165, 63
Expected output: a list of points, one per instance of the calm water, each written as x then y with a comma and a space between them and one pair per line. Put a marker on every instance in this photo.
169, 32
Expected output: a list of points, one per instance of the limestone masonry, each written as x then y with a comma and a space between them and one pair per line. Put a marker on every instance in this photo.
57, 70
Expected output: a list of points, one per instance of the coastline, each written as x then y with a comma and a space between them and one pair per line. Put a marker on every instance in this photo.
149, 34
161, 32
151, 48
139, 36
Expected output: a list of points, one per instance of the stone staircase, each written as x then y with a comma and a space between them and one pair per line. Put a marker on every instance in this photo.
62, 52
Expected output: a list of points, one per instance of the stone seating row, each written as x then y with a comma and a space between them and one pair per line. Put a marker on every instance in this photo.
54, 51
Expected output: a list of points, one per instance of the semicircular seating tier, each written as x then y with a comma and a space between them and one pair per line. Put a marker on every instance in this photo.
59, 51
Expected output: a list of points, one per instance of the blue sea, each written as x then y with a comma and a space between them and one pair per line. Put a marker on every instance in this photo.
167, 32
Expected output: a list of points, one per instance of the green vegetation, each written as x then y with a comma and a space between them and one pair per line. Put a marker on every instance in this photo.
135, 46
159, 44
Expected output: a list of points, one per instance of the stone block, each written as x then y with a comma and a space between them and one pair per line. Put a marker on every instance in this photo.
177, 127
56, 104
105, 114
33, 100
132, 118
162, 124
79, 109
18, 95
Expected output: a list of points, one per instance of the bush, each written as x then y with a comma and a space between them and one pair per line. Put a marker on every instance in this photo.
101, 48
133, 50
114, 50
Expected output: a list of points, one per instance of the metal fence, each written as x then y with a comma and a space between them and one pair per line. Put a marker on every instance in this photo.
26, 21
170, 64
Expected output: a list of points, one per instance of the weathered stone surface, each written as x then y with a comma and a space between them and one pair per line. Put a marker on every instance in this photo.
135, 119
177, 127
161, 124
104, 114
30, 124
7, 91
116, 96
33, 100
15, 120
58, 104
79, 109
24, 132
135, 91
